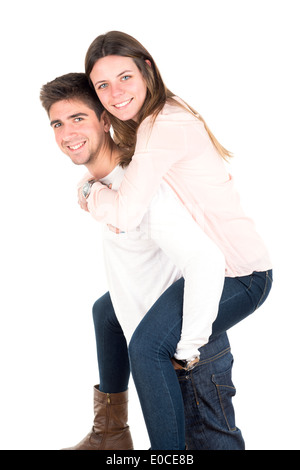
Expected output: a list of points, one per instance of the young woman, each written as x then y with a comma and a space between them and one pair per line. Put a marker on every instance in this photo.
167, 140
138, 272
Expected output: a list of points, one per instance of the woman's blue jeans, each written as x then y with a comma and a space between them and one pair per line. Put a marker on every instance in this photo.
179, 408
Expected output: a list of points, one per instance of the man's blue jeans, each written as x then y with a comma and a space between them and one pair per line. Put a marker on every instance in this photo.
171, 420
207, 393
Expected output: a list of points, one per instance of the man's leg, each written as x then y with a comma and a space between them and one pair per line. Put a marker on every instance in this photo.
208, 391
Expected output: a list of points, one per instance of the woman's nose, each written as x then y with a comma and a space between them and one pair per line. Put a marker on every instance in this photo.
116, 90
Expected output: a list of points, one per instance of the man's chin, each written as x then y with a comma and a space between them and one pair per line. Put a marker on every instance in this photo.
80, 160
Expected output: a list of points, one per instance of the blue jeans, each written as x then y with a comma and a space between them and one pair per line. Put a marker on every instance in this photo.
207, 392
153, 345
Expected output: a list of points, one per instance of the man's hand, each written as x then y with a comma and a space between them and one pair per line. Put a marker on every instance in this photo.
179, 367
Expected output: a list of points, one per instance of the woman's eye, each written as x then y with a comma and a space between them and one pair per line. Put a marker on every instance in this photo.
102, 86
126, 77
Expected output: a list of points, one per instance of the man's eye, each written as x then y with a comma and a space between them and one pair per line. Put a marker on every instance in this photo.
57, 125
78, 119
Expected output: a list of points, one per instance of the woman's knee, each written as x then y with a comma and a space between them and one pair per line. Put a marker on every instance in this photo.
102, 310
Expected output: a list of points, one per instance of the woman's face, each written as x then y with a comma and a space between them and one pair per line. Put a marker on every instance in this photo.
120, 86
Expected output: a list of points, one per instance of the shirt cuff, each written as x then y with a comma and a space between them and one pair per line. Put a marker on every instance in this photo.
186, 354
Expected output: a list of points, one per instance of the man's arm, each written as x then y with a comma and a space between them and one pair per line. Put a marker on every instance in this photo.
201, 262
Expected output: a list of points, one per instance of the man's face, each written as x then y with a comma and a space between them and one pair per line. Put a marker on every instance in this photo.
78, 131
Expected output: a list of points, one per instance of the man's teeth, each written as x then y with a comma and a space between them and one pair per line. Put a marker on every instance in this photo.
76, 147
122, 104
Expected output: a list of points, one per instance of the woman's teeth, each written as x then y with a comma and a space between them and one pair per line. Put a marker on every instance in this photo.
121, 105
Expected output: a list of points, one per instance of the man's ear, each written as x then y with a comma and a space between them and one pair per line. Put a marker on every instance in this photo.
106, 121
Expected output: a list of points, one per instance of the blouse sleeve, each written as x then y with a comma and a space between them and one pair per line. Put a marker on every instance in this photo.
158, 148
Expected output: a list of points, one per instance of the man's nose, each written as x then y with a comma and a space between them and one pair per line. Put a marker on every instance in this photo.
69, 133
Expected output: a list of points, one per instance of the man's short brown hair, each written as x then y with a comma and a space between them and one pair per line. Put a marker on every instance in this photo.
70, 86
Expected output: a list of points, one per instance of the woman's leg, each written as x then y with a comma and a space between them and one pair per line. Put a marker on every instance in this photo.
154, 344
150, 351
110, 430
112, 353
240, 298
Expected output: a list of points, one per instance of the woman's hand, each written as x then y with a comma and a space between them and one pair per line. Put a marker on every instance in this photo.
81, 199
114, 229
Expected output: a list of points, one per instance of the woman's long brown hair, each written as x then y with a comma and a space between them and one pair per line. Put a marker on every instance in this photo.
118, 43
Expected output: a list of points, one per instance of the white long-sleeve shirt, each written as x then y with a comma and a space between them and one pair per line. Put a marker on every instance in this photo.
142, 263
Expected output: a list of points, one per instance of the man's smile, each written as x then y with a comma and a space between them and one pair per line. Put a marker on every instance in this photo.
76, 146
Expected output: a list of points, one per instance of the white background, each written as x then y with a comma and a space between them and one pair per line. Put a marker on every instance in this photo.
236, 62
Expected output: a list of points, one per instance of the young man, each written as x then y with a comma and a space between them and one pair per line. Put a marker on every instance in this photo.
141, 264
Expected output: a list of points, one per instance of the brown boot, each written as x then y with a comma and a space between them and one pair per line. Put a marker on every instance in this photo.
110, 430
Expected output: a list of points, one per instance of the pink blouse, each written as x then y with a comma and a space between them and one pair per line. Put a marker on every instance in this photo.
178, 150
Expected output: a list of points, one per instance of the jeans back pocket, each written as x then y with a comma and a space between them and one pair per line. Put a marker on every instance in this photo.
225, 392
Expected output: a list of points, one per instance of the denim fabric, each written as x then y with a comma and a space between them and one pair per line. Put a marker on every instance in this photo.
241, 297
208, 391
112, 352
154, 343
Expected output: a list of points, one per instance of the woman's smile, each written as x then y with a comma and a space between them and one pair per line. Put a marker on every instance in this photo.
120, 86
